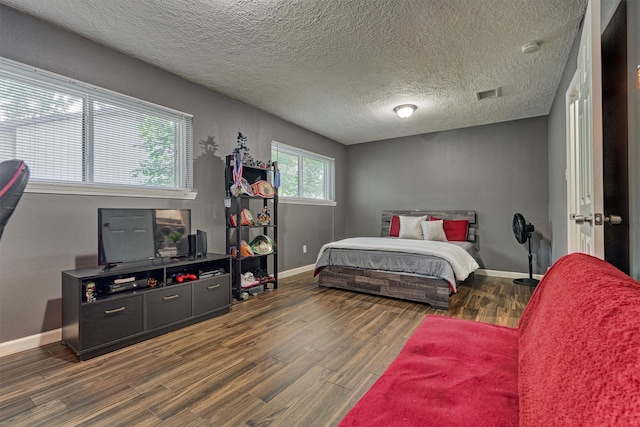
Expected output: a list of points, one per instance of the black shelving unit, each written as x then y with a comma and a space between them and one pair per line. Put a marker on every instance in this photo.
264, 265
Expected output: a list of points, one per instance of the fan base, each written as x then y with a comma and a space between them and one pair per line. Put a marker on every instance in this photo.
526, 281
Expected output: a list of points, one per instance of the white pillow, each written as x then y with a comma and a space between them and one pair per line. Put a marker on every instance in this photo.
410, 227
433, 230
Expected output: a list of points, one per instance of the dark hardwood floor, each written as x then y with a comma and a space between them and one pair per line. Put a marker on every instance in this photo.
298, 356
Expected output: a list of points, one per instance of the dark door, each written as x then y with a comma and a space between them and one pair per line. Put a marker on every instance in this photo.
615, 138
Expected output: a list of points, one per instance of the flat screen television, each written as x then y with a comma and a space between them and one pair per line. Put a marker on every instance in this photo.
129, 235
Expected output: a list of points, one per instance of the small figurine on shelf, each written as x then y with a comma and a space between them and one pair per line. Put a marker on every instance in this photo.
264, 217
90, 292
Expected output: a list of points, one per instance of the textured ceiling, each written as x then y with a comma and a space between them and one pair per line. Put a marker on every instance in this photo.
339, 67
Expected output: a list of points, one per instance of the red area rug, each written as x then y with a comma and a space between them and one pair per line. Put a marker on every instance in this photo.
451, 372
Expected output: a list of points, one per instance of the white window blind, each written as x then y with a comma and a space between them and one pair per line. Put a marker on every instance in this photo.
71, 133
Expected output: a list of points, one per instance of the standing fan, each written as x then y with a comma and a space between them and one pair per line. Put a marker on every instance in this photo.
523, 231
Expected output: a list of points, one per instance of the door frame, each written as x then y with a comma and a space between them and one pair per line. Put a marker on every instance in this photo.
571, 173
589, 236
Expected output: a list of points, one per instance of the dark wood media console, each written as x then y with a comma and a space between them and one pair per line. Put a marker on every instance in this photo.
104, 310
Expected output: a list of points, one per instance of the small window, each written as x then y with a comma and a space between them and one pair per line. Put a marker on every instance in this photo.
73, 135
304, 176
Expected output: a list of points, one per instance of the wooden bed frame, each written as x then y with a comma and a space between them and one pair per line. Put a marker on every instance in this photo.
434, 292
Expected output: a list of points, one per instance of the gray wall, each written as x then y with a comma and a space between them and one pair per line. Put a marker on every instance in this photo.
50, 233
496, 170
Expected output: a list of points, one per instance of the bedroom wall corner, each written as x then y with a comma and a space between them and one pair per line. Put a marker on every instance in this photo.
496, 170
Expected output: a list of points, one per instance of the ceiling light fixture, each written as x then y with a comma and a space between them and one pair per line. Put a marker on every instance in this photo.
405, 110
530, 47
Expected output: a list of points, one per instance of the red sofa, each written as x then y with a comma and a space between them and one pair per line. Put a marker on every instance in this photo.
574, 360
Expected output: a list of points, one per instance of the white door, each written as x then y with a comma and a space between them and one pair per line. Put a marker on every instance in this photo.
584, 142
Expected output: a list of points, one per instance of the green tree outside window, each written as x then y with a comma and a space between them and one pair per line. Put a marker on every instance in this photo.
159, 143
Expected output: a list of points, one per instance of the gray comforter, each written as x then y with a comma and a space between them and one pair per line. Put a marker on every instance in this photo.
372, 255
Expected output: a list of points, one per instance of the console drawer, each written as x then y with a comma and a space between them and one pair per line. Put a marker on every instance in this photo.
211, 294
168, 305
103, 322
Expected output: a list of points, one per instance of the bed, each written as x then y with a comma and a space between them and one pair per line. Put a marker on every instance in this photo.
411, 269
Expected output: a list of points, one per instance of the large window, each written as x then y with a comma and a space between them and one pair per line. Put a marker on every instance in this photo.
76, 136
304, 176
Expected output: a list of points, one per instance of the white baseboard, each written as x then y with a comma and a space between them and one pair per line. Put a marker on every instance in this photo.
30, 342
505, 274
294, 271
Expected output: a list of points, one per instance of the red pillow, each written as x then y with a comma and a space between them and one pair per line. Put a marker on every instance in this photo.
454, 229
394, 229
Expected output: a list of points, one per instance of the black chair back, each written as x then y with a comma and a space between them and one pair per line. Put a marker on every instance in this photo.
14, 175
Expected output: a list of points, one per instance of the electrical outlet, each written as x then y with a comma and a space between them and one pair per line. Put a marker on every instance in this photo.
304, 249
